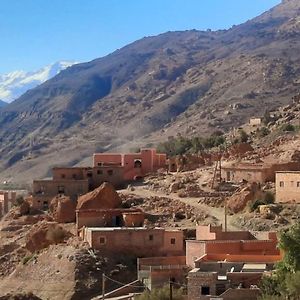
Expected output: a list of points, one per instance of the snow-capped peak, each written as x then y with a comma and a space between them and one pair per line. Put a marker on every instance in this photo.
16, 83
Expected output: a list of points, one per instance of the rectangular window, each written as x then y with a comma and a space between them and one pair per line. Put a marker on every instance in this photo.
74, 176
61, 189
100, 164
150, 237
89, 174
110, 172
173, 241
63, 176
281, 184
99, 172
205, 290
298, 184
102, 240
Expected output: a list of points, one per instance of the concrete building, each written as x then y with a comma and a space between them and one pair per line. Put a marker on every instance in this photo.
135, 165
137, 241
156, 272
288, 186
255, 172
117, 169
228, 265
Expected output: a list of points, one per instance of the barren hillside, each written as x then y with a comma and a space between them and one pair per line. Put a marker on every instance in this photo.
189, 82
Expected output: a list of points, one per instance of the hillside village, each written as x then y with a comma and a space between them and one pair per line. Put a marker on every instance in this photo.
207, 222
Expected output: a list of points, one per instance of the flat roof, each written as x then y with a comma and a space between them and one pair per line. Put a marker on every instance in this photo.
297, 172
254, 266
129, 228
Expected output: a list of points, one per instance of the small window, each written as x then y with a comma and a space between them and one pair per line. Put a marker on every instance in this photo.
89, 174
281, 184
110, 172
298, 184
61, 189
99, 172
137, 164
205, 290
150, 237
102, 240
173, 241
74, 176
99, 164
63, 176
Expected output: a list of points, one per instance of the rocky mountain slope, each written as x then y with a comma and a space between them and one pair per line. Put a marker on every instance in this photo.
2, 103
192, 82
14, 84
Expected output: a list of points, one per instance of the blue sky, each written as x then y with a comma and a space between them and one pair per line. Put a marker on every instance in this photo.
34, 33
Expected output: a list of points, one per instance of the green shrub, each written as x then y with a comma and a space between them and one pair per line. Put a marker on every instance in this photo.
262, 132
288, 127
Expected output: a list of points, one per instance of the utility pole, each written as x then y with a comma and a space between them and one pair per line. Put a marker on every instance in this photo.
225, 211
171, 289
103, 286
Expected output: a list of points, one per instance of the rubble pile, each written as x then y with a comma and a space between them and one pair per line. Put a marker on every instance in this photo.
44, 234
62, 209
164, 211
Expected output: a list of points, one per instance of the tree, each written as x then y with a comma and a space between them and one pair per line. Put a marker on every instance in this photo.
289, 242
284, 283
243, 136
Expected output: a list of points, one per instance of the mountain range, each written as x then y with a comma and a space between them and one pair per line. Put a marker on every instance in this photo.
14, 84
188, 82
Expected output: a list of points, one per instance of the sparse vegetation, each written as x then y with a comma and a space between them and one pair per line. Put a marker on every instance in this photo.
287, 128
268, 198
285, 282
181, 145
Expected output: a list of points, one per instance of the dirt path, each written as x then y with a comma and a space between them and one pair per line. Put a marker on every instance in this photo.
217, 212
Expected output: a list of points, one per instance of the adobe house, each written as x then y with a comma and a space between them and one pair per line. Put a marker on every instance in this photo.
43, 191
7, 199
287, 186
95, 176
255, 122
255, 172
228, 265
135, 165
138, 241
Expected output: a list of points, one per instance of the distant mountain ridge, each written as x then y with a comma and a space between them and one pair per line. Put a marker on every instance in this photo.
14, 84
188, 82
2, 103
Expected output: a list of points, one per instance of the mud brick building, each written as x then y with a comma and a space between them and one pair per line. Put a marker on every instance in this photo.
7, 199
137, 241
255, 172
288, 186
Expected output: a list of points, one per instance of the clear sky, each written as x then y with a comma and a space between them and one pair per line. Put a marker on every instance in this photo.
34, 33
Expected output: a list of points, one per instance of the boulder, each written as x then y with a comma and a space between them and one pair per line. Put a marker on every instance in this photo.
63, 209
24, 208
44, 234
103, 197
